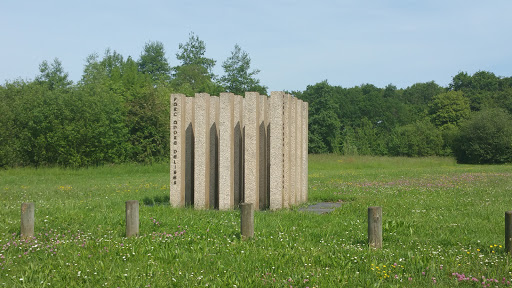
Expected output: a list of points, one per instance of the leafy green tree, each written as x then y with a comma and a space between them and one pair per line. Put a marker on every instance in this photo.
448, 109
421, 93
368, 139
195, 74
53, 75
480, 88
7, 125
349, 147
461, 81
192, 53
417, 139
238, 78
153, 62
485, 138
324, 125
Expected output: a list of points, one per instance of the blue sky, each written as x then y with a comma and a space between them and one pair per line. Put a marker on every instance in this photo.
294, 43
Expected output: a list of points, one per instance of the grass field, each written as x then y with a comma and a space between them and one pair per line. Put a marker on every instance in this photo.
443, 225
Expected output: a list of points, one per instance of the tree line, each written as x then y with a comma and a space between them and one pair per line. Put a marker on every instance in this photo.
119, 111
470, 119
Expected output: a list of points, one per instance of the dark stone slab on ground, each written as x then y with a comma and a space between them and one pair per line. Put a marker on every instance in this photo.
322, 207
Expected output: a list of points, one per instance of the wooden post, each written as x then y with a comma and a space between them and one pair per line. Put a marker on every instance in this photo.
375, 227
247, 220
508, 231
132, 218
27, 220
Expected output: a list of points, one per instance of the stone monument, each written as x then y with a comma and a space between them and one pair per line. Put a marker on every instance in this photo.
231, 149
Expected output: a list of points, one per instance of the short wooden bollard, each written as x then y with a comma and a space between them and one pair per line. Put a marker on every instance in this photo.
508, 231
375, 227
132, 218
27, 220
247, 220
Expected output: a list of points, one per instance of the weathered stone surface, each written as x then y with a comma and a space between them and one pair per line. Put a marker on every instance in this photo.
262, 146
293, 150
305, 151
286, 151
177, 165
251, 148
276, 150
298, 153
202, 151
238, 152
189, 151
226, 152
214, 152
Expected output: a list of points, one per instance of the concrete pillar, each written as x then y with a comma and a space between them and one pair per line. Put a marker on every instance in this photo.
214, 152
298, 153
251, 108
238, 150
177, 165
189, 151
305, 116
267, 153
202, 151
27, 220
226, 152
286, 151
132, 218
262, 163
293, 149
276, 150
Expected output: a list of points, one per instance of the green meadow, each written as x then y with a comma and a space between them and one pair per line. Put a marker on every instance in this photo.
443, 225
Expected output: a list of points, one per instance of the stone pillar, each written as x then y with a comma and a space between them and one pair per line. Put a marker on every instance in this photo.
202, 151
305, 116
226, 152
293, 165
189, 151
286, 151
298, 153
214, 152
267, 153
276, 150
238, 149
262, 163
177, 165
251, 148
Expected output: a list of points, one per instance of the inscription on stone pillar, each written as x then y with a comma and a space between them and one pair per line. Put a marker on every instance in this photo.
177, 165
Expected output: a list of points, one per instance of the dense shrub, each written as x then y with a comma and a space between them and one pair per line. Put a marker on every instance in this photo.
421, 138
485, 138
